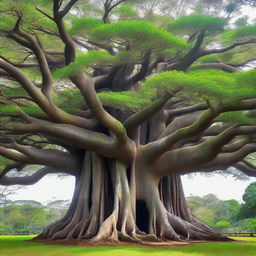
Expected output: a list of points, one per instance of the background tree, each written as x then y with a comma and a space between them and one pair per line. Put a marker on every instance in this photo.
222, 225
251, 224
212, 210
25, 218
248, 208
88, 96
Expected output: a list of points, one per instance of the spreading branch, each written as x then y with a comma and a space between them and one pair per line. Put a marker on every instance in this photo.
246, 168
141, 116
28, 180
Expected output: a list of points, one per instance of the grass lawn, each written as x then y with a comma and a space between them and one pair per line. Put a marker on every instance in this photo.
18, 246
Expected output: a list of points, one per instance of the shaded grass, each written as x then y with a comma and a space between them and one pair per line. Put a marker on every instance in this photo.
18, 245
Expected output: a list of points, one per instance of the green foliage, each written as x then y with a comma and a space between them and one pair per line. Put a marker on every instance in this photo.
4, 161
230, 7
27, 217
71, 95
127, 57
5, 229
140, 35
206, 214
235, 117
241, 22
251, 224
7, 23
213, 58
212, 210
12, 110
84, 25
240, 33
30, 16
167, 53
222, 224
212, 85
123, 100
249, 194
239, 55
23, 219
127, 11
249, 206
195, 23
202, 83
14, 91
90, 59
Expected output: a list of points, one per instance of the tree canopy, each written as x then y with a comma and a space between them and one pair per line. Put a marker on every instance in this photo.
126, 96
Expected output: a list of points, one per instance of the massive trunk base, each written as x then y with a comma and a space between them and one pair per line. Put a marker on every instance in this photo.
103, 208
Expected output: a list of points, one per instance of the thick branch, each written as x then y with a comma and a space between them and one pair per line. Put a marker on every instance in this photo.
162, 145
43, 65
28, 180
246, 168
186, 110
181, 122
199, 41
67, 8
79, 138
242, 64
199, 155
86, 87
141, 116
159, 147
207, 52
232, 147
143, 71
221, 66
13, 155
108, 8
225, 160
49, 108
51, 157
10, 167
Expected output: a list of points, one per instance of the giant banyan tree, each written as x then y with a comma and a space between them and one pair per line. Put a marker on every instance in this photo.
126, 99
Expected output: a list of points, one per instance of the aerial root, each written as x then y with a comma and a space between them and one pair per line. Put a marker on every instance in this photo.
108, 230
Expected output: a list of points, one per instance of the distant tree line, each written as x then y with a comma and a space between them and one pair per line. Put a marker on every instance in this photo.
26, 217
226, 215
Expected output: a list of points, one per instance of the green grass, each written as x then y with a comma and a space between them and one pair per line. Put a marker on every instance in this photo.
19, 246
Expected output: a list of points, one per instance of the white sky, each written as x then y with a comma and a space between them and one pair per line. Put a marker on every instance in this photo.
52, 188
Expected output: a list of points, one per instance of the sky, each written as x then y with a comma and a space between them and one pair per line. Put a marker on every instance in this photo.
53, 188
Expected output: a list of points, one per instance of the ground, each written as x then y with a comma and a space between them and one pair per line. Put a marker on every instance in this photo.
20, 246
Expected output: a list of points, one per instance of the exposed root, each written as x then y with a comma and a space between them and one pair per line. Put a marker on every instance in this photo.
89, 218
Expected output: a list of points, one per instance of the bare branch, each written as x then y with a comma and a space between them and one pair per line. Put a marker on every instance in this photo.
207, 52
43, 64
67, 8
28, 180
221, 66
143, 71
10, 167
44, 13
108, 8
246, 168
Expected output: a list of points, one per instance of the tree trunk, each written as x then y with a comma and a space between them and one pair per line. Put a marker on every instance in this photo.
103, 207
